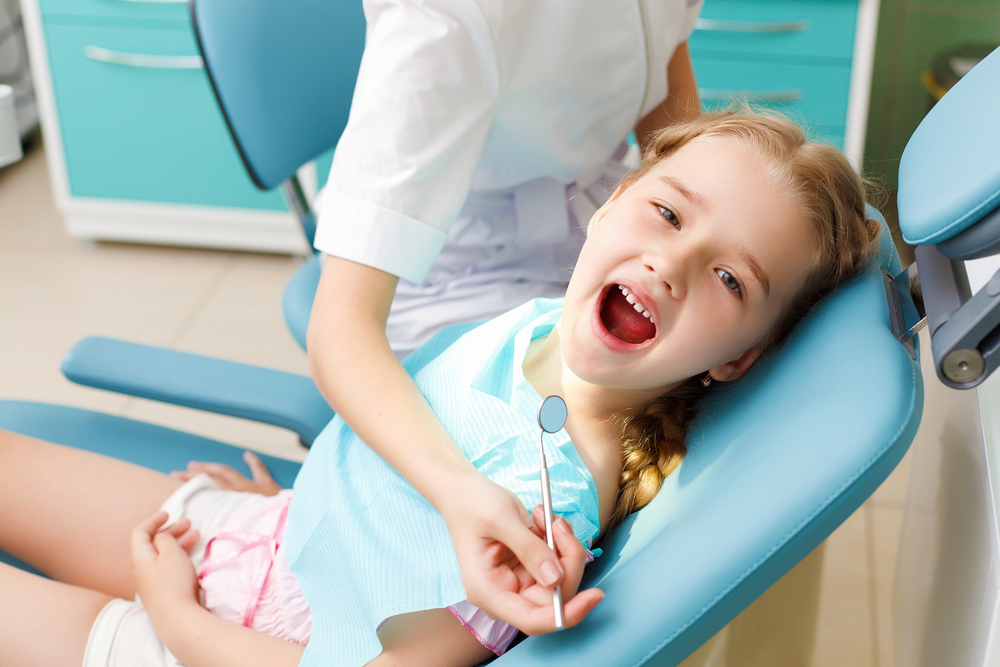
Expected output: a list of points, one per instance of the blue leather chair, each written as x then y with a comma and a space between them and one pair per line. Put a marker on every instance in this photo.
777, 461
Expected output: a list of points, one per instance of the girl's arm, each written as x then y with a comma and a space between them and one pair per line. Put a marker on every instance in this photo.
166, 582
355, 369
198, 638
682, 101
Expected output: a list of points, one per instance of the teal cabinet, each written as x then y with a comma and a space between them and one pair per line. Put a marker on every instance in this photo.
138, 148
802, 57
149, 131
128, 10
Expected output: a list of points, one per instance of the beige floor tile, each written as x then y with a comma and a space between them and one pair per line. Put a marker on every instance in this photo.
242, 318
892, 492
887, 524
49, 301
29, 215
844, 636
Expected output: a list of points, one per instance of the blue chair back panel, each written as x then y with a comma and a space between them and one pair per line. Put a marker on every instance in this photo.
284, 74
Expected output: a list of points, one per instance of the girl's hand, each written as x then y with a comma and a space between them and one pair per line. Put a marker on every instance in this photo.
513, 584
230, 479
162, 572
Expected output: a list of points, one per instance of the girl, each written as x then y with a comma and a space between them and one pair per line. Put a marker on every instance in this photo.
702, 259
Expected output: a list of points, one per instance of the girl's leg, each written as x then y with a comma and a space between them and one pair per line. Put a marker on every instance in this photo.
44, 622
70, 512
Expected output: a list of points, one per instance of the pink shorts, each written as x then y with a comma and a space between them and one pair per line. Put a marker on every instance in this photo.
245, 578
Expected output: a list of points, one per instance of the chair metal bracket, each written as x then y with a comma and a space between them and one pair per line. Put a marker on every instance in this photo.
906, 305
964, 328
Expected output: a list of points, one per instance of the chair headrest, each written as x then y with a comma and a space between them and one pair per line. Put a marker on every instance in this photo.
775, 462
949, 174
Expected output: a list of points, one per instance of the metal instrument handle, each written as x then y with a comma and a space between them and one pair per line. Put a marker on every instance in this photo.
557, 604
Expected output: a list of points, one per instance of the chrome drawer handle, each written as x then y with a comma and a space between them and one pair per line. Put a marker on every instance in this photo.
143, 60
750, 95
718, 25
160, 2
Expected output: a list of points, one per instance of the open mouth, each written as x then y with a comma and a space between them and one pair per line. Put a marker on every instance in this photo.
625, 317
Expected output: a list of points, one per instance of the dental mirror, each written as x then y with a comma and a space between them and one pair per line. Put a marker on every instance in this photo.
551, 417
552, 414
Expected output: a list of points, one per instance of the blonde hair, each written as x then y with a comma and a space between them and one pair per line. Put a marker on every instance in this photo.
818, 177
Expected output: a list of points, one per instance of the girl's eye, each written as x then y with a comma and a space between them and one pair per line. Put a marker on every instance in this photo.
669, 216
730, 281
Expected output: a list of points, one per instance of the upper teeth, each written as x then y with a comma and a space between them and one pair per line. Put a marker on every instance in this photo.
639, 308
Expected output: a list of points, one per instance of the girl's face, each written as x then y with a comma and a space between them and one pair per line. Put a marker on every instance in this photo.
707, 249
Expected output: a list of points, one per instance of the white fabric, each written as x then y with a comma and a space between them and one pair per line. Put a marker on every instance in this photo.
454, 95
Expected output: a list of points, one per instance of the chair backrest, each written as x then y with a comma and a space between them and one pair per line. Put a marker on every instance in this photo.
284, 74
776, 462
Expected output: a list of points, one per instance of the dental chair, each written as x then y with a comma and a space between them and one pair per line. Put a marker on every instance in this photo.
777, 461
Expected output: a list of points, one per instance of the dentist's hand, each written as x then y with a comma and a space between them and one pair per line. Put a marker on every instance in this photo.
573, 557
507, 568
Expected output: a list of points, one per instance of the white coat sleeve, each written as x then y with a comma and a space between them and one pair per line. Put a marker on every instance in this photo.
690, 18
424, 102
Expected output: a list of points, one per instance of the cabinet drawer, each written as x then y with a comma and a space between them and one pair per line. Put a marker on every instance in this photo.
170, 10
147, 131
812, 28
815, 95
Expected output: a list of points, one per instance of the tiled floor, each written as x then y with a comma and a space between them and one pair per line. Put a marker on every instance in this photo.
55, 290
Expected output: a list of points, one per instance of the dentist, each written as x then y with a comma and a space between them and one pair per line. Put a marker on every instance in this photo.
480, 138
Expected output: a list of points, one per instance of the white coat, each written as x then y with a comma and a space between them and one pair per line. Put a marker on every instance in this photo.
473, 122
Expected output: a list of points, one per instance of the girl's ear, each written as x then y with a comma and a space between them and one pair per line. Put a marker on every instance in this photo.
736, 367
622, 187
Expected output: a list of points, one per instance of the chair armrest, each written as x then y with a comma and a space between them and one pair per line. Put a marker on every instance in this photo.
224, 387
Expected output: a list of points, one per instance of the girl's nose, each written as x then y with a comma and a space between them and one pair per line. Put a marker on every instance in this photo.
675, 264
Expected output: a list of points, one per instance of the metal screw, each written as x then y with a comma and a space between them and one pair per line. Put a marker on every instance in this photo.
963, 365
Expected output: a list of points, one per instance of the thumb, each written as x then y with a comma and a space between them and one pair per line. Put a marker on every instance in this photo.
258, 470
532, 551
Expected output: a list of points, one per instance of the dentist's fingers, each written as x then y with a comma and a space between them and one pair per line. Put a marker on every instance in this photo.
531, 550
572, 553
573, 556
540, 618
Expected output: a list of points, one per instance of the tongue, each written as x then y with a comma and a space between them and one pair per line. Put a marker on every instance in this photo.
622, 320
